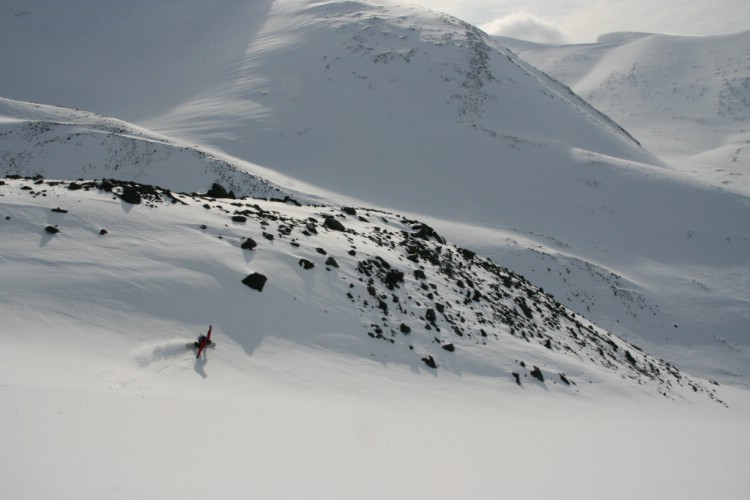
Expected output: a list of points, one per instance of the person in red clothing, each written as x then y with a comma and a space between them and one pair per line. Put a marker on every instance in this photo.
203, 341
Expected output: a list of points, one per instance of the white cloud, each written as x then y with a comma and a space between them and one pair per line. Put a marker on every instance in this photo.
579, 21
525, 26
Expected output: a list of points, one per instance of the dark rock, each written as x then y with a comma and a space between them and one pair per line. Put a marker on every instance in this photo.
103, 232
405, 329
239, 218
537, 374
248, 244
448, 347
468, 254
349, 211
256, 281
330, 261
393, 278
130, 195
321, 251
218, 191
517, 377
426, 232
429, 361
419, 274
306, 264
52, 229
74, 186
59, 210
333, 224
525, 307
382, 305
268, 236
564, 379
430, 315
629, 357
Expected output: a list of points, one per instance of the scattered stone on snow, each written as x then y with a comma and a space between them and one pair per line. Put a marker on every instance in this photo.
256, 281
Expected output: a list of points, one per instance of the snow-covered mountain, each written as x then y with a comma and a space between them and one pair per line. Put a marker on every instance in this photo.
687, 99
444, 283
417, 112
359, 275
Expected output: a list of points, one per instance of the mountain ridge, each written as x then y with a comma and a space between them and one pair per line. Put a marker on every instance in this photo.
418, 300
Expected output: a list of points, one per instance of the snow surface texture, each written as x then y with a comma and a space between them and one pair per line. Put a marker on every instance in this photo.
418, 112
324, 373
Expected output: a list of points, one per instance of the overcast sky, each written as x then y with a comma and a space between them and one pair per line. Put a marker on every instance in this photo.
580, 21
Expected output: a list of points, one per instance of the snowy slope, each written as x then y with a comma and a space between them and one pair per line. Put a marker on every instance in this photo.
685, 98
414, 111
51, 140
315, 388
360, 275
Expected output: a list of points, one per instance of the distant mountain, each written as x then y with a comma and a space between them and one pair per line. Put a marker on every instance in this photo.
685, 98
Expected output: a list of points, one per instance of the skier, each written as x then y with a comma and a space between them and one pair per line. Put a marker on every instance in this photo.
203, 341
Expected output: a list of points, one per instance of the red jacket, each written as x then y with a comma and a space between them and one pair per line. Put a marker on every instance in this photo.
203, 341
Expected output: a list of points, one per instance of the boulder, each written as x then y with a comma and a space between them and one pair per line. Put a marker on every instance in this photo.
256, 281
429, 361
249, 244
333, 224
